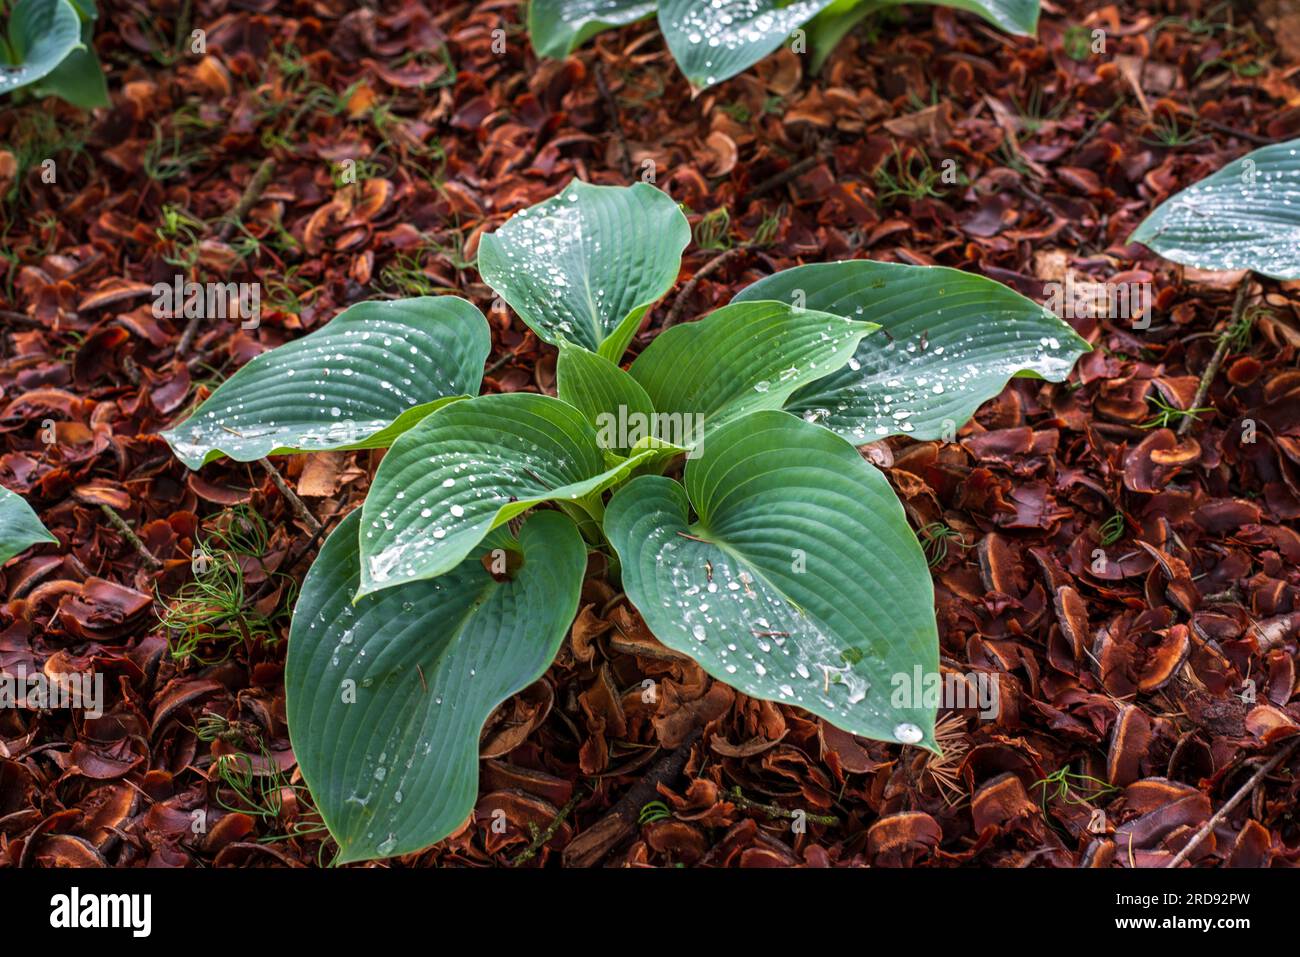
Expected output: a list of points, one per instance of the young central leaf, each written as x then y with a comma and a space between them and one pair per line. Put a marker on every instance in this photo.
948, 342
1245, 216
743, 357
466, 469
370, 374
800, 582
386, 698
583, 267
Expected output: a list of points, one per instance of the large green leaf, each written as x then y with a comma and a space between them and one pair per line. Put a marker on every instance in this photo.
392, 758
949, 341
41, 34
799, 582
1245, 216
558, 27
714, 41
20, 529
743, 357
358, 382
468, 468
584, 266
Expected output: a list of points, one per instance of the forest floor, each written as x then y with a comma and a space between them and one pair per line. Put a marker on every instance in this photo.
335, 154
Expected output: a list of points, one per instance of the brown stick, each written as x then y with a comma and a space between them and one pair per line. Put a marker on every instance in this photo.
611, 107
591, 846
1216, 360
541, 837
150, 560
252, 193
1232, 802
780, 179
299, 509
713, 265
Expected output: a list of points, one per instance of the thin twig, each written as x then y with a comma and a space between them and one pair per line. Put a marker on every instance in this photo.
710, 267
1233, 131
1220, 351
291, 497
504, 358
542, 837
772, 811
21, 318
1232, 802
150, 560
252, 193
611, 107
780, 179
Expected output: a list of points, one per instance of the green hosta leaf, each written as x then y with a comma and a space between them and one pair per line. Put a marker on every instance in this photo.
1245, 216
558, 27
40, 36
468, 468
392, 757
833, 24
20, 529
357, 383
950, 341
714, 41
79, 78
583, 267
740, 358
800, 581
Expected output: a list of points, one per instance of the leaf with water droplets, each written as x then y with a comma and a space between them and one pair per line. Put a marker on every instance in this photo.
41, 35
799, 582
386, 698
1245, 216
20, 529
583, 267
357, 383
949, 340
714, 41
558, 27
741, 358
468, 468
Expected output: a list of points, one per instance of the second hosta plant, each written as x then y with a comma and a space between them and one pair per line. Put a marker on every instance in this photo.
713, 41
717, 473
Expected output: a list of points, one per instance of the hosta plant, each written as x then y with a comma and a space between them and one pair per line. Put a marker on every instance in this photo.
46, 46
712, 41
1245, 216
717, 474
